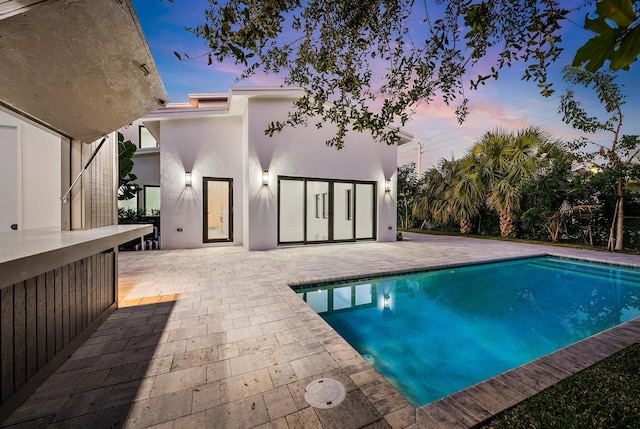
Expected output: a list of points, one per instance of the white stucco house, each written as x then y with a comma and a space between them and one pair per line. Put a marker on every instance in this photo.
222, 181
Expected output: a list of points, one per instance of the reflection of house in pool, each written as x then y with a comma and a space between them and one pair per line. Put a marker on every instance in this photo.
348, 297
249, 189
72, 72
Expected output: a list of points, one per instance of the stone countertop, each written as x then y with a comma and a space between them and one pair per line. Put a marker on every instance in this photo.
28, 253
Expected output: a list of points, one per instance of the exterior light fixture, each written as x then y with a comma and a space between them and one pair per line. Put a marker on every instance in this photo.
187, 178
265, 178
387, 185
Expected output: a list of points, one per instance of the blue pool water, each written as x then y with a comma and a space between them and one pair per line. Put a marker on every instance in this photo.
434, 333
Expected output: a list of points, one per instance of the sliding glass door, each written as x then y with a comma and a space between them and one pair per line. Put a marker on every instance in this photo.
318, 210
218, 210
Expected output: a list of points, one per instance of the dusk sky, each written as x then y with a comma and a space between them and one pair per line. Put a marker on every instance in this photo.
509, 103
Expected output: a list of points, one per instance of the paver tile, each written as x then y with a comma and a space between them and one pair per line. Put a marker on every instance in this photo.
83, 403
279, 402
245, 385
312, 365
355, 412
160, 409
206, 396
243, 413
178, 380
251, 362
304, 419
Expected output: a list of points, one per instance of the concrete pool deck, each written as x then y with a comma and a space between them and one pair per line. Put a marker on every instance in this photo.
216, 338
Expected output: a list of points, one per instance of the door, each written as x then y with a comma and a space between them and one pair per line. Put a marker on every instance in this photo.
9, 178
317, 210
218, 210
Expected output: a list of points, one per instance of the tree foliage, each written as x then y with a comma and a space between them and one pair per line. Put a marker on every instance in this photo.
450, 195
367, 64
408, 191
617, 37
492, 174
504, 163
126, 188
620, 158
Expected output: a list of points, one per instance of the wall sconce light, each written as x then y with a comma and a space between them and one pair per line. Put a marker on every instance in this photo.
187, 178
265, 178
387, 185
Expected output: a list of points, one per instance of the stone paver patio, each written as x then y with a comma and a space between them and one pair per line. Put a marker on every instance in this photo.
216, 338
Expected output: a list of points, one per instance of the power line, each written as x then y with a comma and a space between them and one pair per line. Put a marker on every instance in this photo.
443, 144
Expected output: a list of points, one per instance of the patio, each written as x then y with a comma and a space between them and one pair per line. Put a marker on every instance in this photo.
215, 337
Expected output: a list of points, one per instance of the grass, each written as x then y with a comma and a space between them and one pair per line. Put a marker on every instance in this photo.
517, 240
606, 395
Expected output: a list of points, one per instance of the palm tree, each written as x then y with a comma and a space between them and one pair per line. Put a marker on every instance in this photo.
450, 194
468, 194
504, 162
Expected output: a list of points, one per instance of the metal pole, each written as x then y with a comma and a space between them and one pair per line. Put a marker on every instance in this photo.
93, 155
419, 160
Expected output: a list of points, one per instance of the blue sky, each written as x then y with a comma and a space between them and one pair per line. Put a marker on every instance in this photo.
508, 103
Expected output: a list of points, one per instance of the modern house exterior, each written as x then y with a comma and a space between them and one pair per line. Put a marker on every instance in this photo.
222, 181
72, 73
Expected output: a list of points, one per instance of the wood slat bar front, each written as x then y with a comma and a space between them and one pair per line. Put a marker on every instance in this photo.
42, 316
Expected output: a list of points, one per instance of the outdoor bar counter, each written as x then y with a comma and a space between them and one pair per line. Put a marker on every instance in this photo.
56, 288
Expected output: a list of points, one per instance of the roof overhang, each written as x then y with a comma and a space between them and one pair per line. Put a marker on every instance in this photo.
81, 68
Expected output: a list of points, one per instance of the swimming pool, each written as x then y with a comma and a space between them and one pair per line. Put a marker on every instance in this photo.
436, 332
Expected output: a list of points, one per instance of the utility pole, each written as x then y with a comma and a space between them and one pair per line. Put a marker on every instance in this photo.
420, 145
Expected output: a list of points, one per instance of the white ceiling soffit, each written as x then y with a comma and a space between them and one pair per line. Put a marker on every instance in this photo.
80, 67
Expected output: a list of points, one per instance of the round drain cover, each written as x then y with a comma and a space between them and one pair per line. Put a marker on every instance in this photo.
369, 358
325, 393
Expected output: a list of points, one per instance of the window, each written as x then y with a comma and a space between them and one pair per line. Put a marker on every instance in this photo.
152, 200
145, 139
218, 210
127, 205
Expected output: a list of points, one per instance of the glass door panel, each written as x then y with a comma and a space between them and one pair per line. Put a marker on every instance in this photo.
218, 217
291, 211
365, 210
343, 196
317, 211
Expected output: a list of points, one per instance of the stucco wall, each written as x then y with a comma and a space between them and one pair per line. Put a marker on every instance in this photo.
146, 167
208, 147
301, 152
39, 174
146, 162
236, 147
